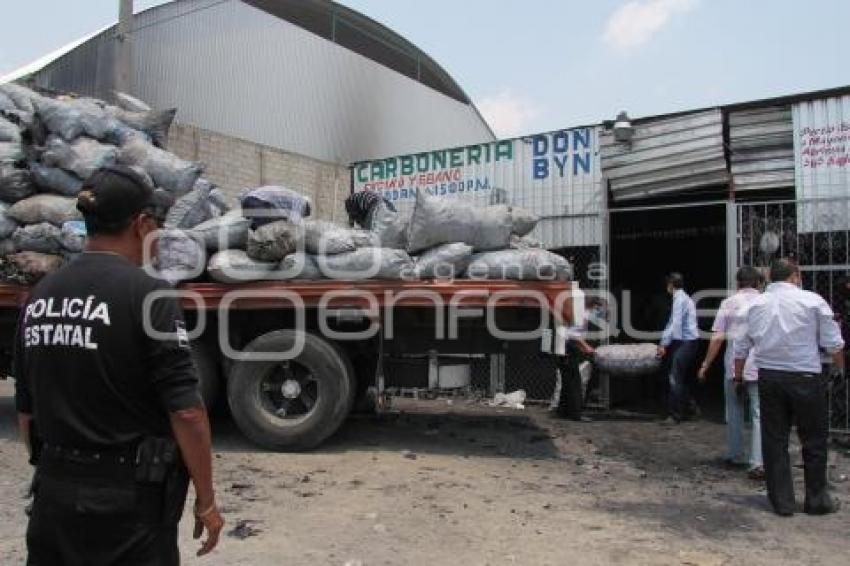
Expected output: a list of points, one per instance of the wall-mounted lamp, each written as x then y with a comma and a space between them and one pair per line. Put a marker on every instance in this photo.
623, 129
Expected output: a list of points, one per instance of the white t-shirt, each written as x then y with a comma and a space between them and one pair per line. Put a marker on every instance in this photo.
731, 320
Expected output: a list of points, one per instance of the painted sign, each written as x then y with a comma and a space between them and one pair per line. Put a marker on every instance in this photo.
822, 163
554, 174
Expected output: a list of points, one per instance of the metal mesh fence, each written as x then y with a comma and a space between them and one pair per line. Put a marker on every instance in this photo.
816, 233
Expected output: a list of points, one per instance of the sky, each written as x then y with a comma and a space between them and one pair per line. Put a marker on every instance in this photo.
536, 65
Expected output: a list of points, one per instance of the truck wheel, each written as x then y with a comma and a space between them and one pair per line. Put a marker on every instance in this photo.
209, 372
294, 404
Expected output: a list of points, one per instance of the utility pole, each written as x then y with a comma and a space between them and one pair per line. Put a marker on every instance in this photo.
123, 80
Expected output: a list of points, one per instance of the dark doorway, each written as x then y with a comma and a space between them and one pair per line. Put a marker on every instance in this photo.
646, 245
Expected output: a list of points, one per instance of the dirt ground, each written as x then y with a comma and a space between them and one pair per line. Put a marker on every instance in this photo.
465, 484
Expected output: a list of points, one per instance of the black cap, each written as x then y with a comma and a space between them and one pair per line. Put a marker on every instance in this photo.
112, 196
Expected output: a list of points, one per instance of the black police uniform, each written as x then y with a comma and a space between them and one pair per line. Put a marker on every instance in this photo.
100, 388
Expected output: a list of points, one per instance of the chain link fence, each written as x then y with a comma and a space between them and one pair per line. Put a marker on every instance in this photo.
816, 233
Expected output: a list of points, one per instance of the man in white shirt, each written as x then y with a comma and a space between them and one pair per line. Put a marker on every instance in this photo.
788, 327
728, 326
679, 341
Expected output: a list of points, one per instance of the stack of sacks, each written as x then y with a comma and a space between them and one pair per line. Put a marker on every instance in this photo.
50, 144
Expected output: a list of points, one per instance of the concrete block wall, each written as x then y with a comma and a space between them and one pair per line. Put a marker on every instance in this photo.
235, 164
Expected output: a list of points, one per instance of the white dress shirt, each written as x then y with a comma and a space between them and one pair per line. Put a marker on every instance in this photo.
731, 321
682, 324
787, 326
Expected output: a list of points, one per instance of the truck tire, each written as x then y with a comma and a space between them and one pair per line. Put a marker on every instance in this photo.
291, 405
206, 361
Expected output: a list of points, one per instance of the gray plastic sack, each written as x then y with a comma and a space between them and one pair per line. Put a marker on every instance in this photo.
272, 203
130, 103
74, 236
628, 359
43, 238
15, 184
7, 246
326, 238
82, 157
299, 266
21, 96
32, 266
166, 169
71, 119
273, 242
218, 200
7, 224
192, 208
522, 221
389, 227
225, 232
55, 180
438, 221
155, 124
529, 264
180, 256
45, 208
6, 103
9, 132
234, 266
367, 263
444, 262
11, 152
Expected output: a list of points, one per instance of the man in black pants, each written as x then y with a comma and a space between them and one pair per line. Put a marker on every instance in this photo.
107, 397
787, 327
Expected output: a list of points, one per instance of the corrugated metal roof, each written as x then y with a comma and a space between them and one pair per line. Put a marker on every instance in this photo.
667, 155
761, 148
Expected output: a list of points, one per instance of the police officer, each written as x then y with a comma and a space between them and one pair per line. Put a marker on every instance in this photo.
787, 327
107, 396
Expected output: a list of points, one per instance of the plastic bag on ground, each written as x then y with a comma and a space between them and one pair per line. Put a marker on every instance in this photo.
71, 119
82, 157
438, 221
73, 237
389, 226
628, 359
530, 264
166, 169
9, 132
7, 224
273, 242
180, 256
367, 263
522, 221
15, 184
27, 268
44, 238
444, 262
299, 266
234, 266
272, 203
225, 232
192, 208
54, 209
131, 103
514, 400
55, 180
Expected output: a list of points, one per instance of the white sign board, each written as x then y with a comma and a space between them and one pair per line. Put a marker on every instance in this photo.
822, 164
554, 174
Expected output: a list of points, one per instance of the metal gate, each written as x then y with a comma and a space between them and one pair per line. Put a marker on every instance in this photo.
815, 233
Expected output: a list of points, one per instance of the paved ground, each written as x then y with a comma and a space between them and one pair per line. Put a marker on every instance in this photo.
459, 484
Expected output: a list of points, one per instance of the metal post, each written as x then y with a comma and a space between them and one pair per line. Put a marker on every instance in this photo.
123, 80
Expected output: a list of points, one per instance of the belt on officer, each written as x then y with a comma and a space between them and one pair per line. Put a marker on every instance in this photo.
77, 463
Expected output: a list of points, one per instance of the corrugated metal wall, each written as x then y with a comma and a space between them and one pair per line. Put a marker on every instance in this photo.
235, 69
666, 155
761, 148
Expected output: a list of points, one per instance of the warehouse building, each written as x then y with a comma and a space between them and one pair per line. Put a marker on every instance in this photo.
275, 91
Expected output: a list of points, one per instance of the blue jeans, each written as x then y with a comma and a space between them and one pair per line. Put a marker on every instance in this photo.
682, 356
735, 412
